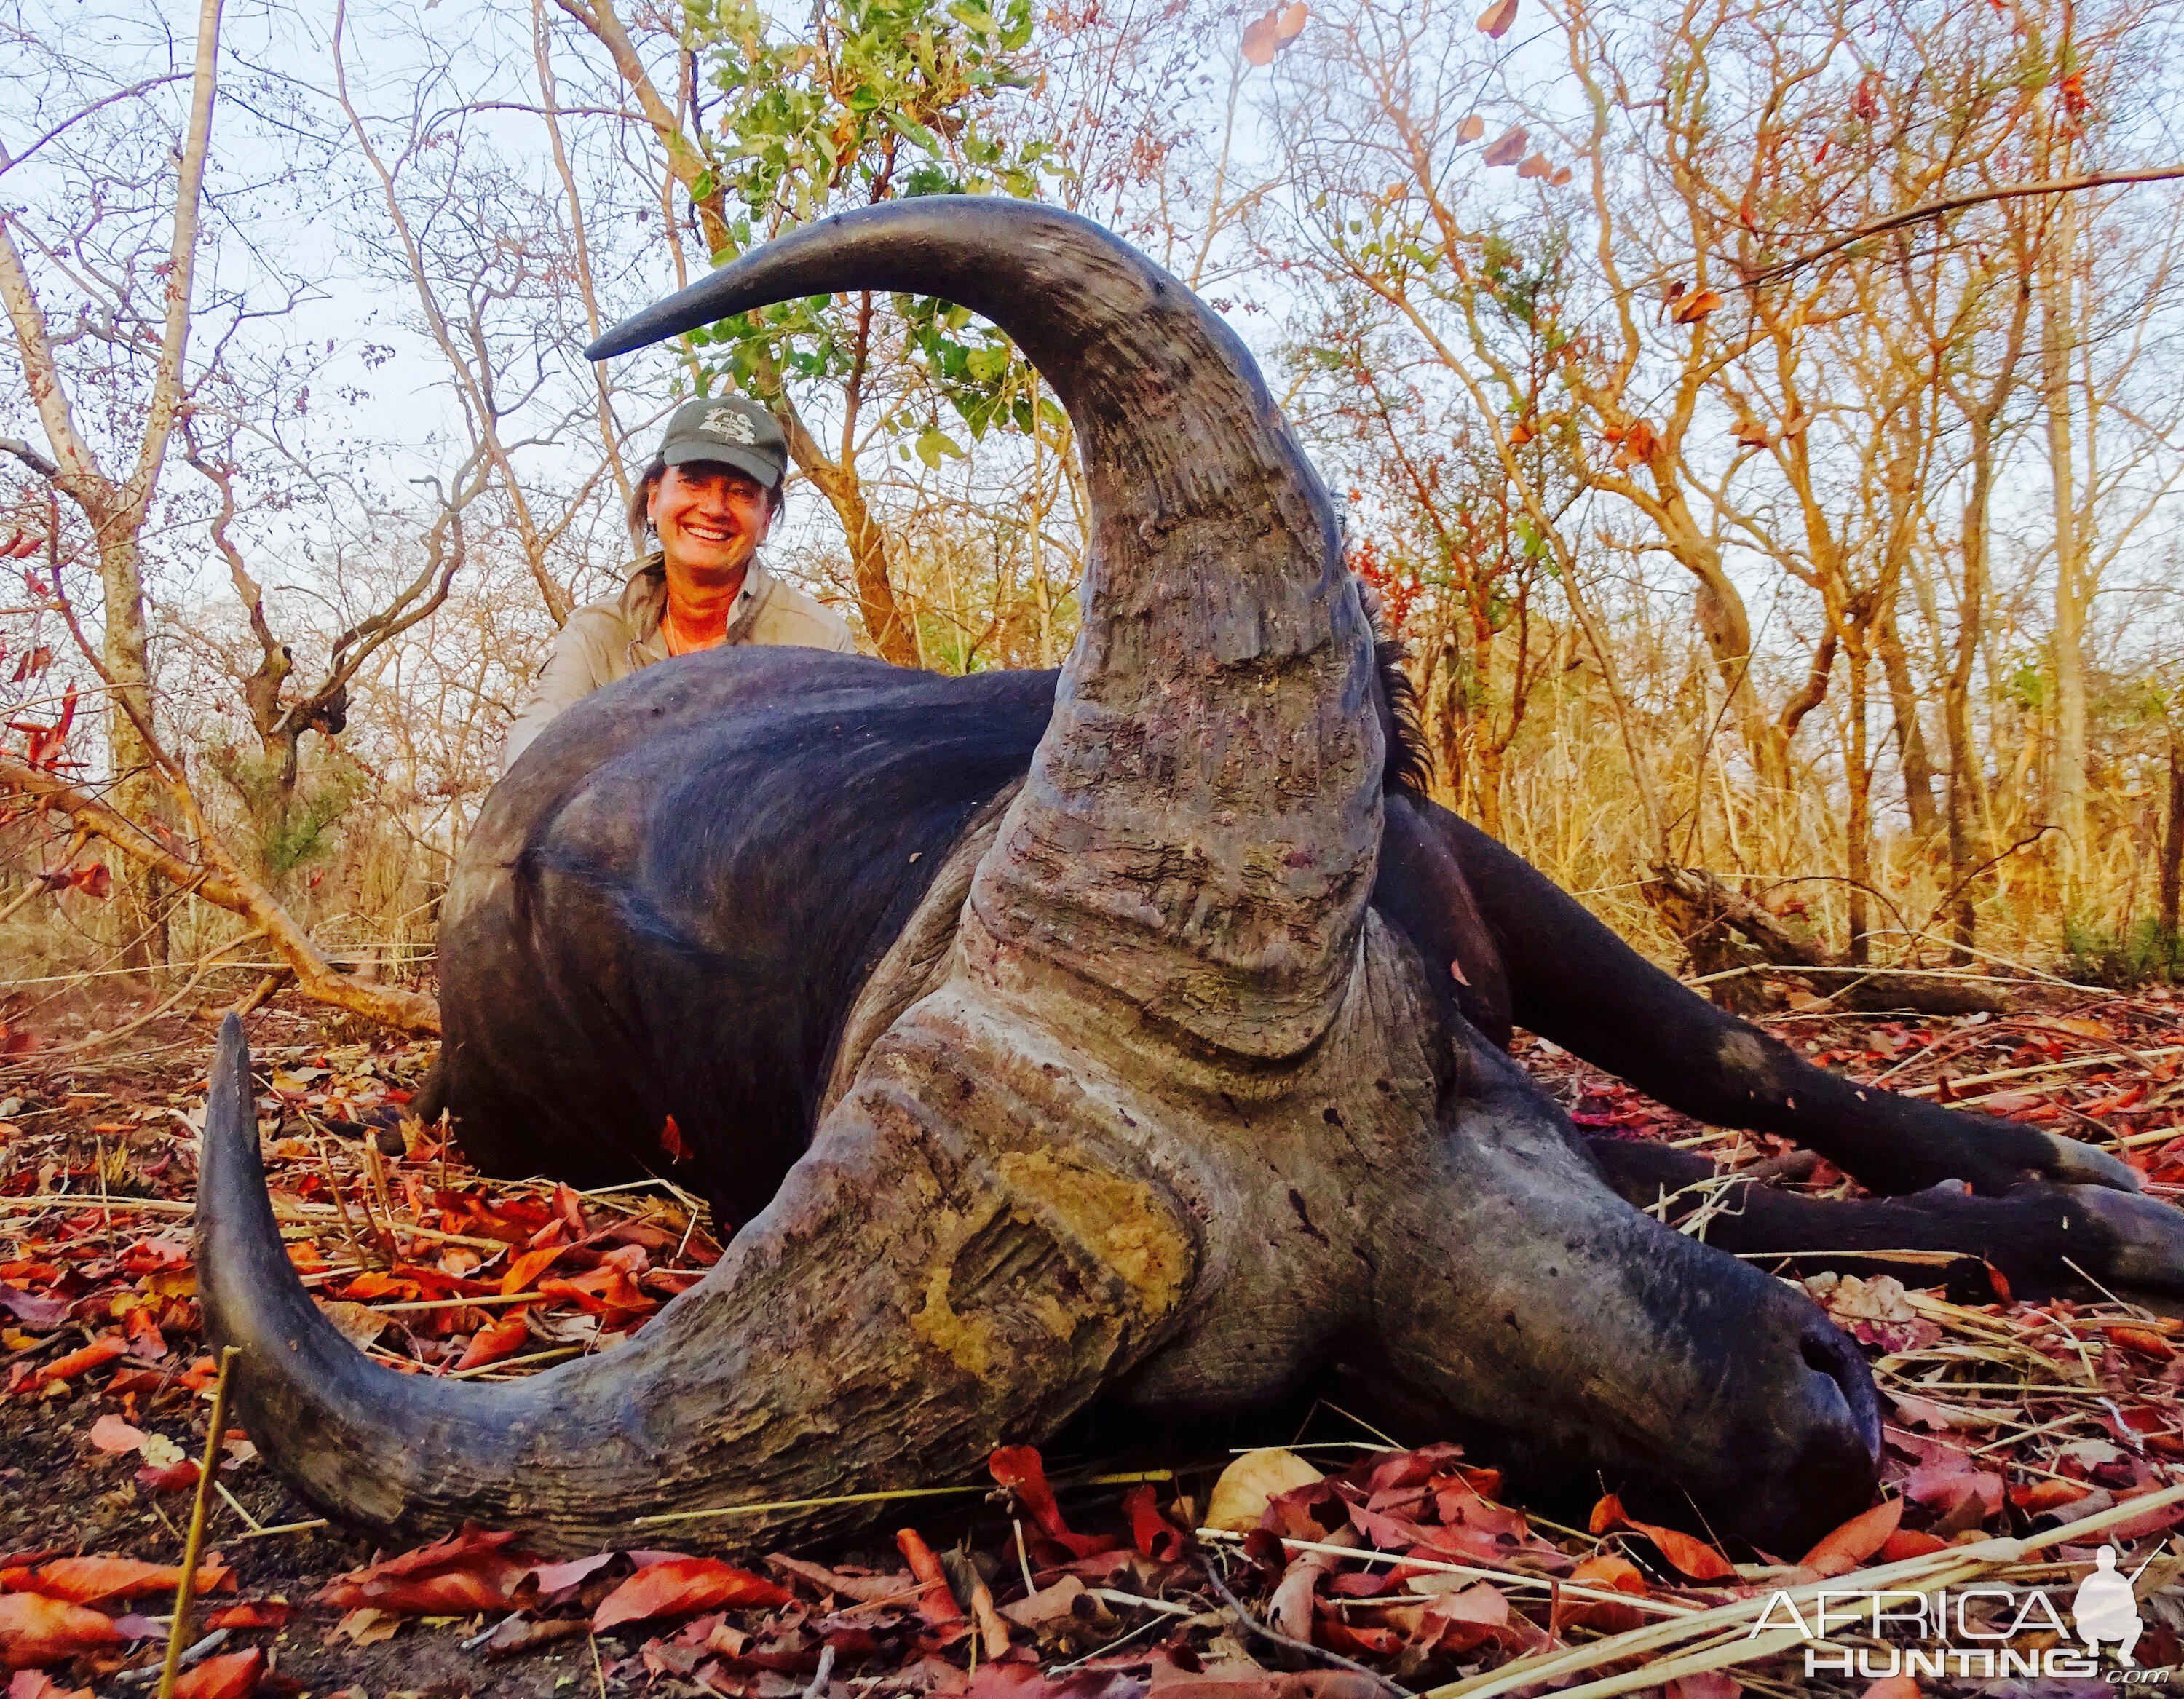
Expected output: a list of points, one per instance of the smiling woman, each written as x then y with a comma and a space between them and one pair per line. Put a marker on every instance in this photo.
708, 500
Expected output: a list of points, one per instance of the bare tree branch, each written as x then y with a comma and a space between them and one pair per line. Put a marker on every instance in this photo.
29, 457
1942, 208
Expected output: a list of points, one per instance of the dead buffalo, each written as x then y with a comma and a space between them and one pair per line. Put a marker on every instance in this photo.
1132, 1034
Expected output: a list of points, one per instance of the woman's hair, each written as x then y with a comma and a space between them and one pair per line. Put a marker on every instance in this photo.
640, 526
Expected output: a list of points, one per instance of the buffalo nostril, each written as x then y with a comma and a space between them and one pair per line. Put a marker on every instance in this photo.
1829, 1353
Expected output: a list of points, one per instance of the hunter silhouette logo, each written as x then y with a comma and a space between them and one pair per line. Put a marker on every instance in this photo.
2106, 1609
1984, 1630
726, 421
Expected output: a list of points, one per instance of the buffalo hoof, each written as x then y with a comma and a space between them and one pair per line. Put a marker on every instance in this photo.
1990, 1154
2137, 1243
2069, 1163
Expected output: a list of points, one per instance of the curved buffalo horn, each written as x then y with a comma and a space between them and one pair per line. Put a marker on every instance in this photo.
886, 1322
996, 1220
1200, 828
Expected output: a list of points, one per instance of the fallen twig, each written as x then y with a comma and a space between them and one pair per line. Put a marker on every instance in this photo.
208, 1473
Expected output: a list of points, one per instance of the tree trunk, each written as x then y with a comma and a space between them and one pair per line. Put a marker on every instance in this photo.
2066, 773
1727, 628
1917, 765
2172, 845
1965, 776
884, 616
136, 791
1859, 862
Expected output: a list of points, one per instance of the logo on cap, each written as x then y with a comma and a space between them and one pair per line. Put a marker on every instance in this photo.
726, 421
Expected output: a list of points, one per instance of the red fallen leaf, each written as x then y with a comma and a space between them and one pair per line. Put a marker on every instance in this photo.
683, 1584
1849, 1545
232, 1676
2035, 1497
1891, 1687
2140, 1425
1395, 1471
305, 1257
528, 1267
1289, 22
147, 1255
1507, 149
377, 1283
1497, 19
1616, 1573
112, 1434
251, 1613
466, 1571
1609, 1570
34, 1630
1471, 130
1018, 1469
1260, 41
146, 1341
43, 1313
1708, 1684
1389, 1533
1535, 165
1462, 1505
177, 1477
552, 1577
495, 1340
1906, 1542
605, 1291
937, 1599
1151, 1533
1462, 1617
1920, 1411
88, 1580
1952, 1484
2150, 1522
100, 1350
31, 1684
2143, 1342
671, 1141
1693, 1557
1358, 1641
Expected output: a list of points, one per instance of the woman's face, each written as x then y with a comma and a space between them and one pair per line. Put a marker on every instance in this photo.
710, 519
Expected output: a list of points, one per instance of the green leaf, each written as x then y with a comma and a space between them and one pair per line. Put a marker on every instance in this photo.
935, 445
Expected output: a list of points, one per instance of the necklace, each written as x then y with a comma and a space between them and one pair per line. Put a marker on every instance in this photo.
679, 642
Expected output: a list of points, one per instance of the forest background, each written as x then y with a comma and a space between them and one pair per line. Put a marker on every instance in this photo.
1763, 420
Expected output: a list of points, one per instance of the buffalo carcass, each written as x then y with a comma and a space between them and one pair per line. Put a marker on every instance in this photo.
1132, 1034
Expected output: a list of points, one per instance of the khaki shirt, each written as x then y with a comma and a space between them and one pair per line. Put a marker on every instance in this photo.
617, 635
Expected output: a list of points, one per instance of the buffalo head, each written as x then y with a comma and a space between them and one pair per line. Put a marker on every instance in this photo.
1178, 1119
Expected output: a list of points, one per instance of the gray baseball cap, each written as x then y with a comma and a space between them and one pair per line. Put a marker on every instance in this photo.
731, 431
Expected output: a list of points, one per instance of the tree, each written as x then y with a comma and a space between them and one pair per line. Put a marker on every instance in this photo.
146, 392
116, 504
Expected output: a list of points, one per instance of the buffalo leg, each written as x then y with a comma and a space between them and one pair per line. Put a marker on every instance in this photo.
1573, 981
2043, 1239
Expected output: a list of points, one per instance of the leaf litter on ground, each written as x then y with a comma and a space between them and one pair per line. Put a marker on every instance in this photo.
1374, 1563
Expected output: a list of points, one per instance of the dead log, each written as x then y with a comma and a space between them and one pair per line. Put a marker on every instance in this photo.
1738, 947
